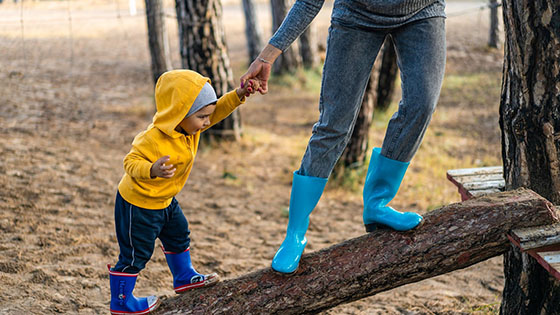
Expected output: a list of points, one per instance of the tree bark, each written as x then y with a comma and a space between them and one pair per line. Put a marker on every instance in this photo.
288, 61
252, 30
494, 37
530, 121
157, 38
203, 49
387, 76
355, 153
453, 237
308, 47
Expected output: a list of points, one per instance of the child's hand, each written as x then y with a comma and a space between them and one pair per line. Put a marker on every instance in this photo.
159, 169
250, 87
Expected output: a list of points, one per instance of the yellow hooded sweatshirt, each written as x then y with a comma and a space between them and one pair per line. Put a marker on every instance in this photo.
175, 93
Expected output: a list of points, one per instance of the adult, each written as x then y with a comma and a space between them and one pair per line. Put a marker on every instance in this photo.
357, 32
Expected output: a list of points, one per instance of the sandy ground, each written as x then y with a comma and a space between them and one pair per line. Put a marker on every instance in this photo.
76, 88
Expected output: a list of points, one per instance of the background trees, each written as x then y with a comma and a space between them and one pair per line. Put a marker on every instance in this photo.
157, 38
203, 49
530, 123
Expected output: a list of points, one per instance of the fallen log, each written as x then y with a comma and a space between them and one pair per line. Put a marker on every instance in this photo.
452, 237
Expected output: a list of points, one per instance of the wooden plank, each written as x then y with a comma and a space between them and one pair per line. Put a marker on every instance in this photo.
480, 178
482, 192
476, 171
475, 182
485, 185
537, 237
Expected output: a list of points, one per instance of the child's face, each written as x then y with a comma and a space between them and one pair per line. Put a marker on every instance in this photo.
199, 120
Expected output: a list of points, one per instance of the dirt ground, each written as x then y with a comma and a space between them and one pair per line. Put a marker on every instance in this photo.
76, 88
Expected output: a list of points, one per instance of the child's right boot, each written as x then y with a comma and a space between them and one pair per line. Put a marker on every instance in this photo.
306, 192
122, 299
185, 276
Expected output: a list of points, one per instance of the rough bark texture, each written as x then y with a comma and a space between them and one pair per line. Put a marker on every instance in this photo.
252, 30
452, 237
530, 123
494, 37
289, 60
308, 47
203, 49
157, 38
354, 155
387, 76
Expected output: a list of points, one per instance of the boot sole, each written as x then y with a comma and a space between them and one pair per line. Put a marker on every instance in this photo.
147, 311
375, 226
286, 274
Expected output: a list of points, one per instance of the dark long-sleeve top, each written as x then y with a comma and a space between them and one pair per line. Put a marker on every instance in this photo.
366, 14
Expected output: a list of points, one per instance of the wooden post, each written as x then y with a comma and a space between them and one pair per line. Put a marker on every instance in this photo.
453, 237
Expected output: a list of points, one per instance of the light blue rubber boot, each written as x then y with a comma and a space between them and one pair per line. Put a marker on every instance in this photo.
306, 192
185, 276
383, 180
122, 299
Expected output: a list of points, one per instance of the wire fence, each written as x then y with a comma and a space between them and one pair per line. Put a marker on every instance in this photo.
74, 46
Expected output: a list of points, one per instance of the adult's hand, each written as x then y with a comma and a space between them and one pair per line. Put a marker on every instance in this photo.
261, 67
260, 71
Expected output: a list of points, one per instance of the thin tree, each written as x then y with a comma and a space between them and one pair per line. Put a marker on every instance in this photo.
387, 75
494, 37
252, 30
530, 123
309, 48
354, 155
288, 61
203, 49
157, 38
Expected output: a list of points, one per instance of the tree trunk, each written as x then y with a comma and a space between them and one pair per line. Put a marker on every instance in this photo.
530, 121
387, 76
308, 47
157, 38
203, 49
252, 30
288, 61
493, 39
354, 155
453, 237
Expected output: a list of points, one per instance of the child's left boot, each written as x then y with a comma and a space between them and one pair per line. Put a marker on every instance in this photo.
122, 299
185, 276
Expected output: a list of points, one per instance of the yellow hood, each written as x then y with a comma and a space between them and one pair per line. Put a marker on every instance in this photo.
176, 91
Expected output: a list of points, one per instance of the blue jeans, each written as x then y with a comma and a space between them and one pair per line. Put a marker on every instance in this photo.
137, 230
351, 52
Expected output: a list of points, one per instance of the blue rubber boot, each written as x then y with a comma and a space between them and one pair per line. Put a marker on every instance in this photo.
383, 180
122, 299
306, 192
185, 276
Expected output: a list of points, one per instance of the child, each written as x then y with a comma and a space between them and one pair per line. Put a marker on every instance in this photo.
156, 168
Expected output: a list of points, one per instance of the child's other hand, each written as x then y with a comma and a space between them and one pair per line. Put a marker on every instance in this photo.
159, 169
250, 87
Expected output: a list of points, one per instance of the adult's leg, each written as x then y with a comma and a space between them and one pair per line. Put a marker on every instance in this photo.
421, 54
351, 52
350, 56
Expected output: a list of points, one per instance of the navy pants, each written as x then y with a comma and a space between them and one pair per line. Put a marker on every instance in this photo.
137, 230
